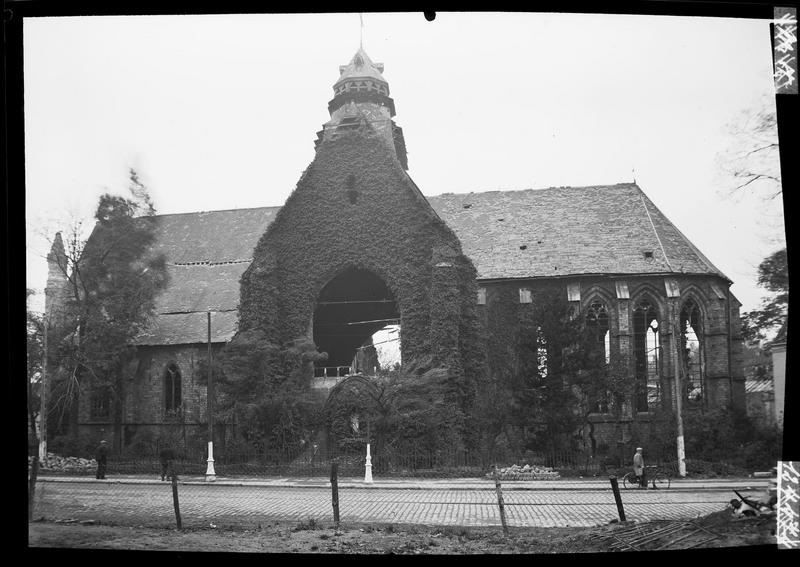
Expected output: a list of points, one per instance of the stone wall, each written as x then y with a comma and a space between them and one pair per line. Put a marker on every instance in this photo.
144, 400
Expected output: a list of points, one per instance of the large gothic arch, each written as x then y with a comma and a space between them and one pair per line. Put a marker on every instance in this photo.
351, 307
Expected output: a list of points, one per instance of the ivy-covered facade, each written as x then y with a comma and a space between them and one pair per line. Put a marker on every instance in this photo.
357, 246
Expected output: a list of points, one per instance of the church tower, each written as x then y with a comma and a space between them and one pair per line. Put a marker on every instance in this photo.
57, 291
361, 100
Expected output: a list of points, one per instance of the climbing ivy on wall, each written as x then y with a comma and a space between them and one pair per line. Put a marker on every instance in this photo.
547, 372
355, 207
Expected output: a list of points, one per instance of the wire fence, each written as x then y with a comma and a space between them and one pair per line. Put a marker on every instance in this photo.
313, 461
333, 495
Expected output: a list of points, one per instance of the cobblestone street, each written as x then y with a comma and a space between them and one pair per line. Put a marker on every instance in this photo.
151, 503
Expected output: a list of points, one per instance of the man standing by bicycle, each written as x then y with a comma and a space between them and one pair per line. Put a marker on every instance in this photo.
638, 467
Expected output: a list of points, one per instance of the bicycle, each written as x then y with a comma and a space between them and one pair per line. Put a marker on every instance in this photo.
655, 477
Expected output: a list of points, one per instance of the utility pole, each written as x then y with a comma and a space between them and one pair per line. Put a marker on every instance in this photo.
210, 474
678, 389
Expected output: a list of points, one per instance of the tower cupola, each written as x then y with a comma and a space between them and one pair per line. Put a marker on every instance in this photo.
361, 100
361, 80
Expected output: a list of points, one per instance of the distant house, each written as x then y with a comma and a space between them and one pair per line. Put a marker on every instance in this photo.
760, 400
779, 377
357, 247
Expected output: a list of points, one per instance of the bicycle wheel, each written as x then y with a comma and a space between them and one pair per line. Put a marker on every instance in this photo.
630, 481
660, 480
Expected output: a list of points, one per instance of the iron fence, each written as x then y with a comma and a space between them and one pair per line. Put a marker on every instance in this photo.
189, 500
312, 461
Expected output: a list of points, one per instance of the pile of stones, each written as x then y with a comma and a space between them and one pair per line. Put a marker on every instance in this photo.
55, 462
527, 472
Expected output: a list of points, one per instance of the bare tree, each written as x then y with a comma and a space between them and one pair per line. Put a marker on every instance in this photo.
751, 161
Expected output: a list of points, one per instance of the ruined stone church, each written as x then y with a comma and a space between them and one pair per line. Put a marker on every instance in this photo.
358, 249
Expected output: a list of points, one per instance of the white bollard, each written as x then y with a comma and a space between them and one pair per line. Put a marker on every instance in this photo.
368, 468
210, 474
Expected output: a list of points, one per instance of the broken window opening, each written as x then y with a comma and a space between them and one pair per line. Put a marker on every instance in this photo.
647, 355
172, 390
597, 322
381, 351
692, 350
99, 403
357, 322
541, 352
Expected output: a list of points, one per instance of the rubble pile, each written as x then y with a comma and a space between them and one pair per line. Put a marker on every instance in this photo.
748, 507
527, 472
55, 462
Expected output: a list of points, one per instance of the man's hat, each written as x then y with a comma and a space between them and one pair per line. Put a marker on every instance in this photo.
638, 448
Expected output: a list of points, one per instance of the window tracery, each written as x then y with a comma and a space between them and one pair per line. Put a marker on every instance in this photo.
691, 353
172, 390
647, 355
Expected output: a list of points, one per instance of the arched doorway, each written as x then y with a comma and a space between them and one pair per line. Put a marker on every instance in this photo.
356, 321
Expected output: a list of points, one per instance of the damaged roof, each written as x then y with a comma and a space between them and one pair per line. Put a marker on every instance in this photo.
533, 233
206, 254
609, 229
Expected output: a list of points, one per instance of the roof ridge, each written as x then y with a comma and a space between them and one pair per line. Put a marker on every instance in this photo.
237, 209
211, 263
655, 231
703, 258
554, 187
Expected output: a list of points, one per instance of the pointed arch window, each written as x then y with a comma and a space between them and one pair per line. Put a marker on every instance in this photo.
172, 390
692, 355
541, 352
99, 403
647, 355
597, 324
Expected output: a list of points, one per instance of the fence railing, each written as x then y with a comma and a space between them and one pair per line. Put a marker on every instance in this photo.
332, 371
309, 461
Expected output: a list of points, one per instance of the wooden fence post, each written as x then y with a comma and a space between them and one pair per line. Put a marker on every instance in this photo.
335, 493
500, 502
617, 498
175, 495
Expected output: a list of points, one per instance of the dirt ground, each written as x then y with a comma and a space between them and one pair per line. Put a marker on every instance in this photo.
718, 530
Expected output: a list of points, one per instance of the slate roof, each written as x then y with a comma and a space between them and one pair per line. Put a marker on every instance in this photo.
206, 254
564, 231
568, 231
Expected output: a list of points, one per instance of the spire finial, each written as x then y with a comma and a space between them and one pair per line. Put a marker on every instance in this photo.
361, 38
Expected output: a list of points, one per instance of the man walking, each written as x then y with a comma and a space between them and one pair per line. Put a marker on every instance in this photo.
101, 455
638, 467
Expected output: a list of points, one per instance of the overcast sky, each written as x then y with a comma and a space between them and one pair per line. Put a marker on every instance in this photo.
220, 112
